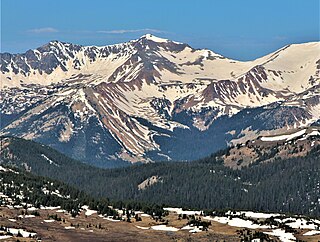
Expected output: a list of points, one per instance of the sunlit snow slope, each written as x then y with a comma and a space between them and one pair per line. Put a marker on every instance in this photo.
150, 98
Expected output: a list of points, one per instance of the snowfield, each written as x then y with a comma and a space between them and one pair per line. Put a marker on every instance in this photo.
237, 222
164, 228
312, 232
283, 236
254, 214
181, 211
286, 137
88, 211
23, 232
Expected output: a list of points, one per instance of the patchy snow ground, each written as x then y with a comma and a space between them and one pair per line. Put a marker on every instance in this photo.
23, 232
283, 236
3, 169
237, 222
49, 207
88, 211
111, 219
250, 214
181, 211
300, 223
195, 230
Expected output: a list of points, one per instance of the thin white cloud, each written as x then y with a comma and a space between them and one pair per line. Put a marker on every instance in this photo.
43, 30
125, 31
280, 37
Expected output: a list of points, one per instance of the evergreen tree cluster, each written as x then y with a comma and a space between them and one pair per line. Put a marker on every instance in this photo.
287, 185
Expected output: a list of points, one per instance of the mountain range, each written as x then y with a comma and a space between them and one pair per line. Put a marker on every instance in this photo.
154, 99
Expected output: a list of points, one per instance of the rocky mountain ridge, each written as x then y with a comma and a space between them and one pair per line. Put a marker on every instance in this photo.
130, 101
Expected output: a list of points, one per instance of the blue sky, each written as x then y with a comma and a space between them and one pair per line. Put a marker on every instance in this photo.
239, 29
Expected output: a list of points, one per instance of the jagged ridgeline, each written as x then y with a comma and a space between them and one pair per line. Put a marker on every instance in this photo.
271, 183
153, 99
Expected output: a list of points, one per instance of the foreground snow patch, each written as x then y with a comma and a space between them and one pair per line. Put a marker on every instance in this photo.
26, 216
5, 237
312, 232
50, 208
69, 227
254, 214
140, 227
283, 236
181, 211
48, 220
23, 232
300, 223
111, 219
237, 222
88, 211
164, 228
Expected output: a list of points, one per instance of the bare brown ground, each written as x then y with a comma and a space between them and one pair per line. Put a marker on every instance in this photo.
87, 229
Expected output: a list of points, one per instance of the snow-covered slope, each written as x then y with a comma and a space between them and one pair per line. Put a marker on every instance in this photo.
126, 99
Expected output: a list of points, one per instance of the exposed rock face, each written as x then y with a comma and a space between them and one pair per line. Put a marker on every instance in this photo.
149, 182
151, 99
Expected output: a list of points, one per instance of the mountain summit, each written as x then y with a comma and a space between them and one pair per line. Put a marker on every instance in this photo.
154, 99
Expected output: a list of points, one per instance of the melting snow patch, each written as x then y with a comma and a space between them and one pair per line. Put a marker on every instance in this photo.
286, 137
5, 237
48, 220
3, 169
283, 236
32, 209
254, 214
164, 228
26, 216
61, 211
312, 232
195, 230
69, 227
23, 232
140, 227
111, 219
187, 227
237, 222
181, 211
50, 208
192, 229
300, 223
88, 211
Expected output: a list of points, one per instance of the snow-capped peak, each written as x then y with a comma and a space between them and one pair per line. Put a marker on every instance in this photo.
154, 38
